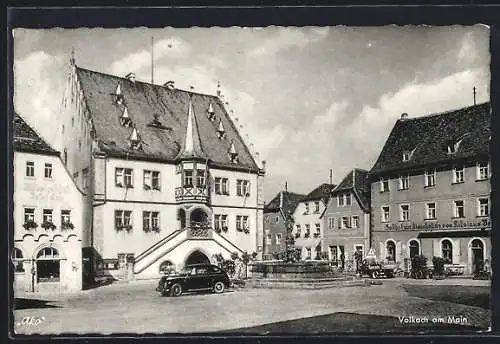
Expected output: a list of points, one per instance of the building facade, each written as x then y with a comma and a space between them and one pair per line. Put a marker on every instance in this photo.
276, 213
430, 190
172, 180
49, 217
346, 220
309, 229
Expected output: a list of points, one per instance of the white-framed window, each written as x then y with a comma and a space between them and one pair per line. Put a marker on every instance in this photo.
307, 208
241, 222
430, 211
406, 155
307, 234
298, 231
331, 223
385, 213
200, 178
29, 214
404, 182
345, 222
47, 171
316, 207
220, 222
243, 187
355, 221
483, 207
404, 212
124, 177
278, 238
266, 219
150, 220
483, 171
85, 178
30, 169
384, 184
151, 180
458, 209
344, 200
308, 252
221, 186
47, 215
277, 219
122, 219
430, 178
318, 230
269, 239
187, 178
458, 175
65, 216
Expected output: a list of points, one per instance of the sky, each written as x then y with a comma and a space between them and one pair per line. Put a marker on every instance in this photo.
308, 99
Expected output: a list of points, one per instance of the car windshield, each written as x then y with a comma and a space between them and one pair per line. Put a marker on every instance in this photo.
187, 270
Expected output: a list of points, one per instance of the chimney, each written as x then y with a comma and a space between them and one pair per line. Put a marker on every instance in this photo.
353, 177
286, 186
130, 77
404, 116
281, 200
331, 176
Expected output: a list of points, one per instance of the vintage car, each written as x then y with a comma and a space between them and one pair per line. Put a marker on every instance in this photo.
196, 277
377, 270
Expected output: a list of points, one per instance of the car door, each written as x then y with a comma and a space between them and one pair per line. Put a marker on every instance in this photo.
200, 279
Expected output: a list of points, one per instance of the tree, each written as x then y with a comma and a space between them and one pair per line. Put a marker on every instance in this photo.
291, 255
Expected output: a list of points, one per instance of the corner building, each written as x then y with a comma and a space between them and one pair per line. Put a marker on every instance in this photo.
430, 189
50, 217
172, 180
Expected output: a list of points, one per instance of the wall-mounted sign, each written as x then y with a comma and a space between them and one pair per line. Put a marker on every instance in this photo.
429, 226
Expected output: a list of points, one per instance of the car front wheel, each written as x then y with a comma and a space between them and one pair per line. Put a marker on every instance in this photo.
219, 287
176, 290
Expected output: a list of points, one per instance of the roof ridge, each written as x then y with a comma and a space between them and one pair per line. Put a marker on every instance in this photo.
447, 112
147, 83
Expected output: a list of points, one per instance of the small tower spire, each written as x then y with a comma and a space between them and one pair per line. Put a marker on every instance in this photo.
192, 144
474, 94
72, 56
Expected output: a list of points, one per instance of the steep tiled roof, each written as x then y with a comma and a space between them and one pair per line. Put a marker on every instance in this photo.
356, 180
427, 139
290, 201
143, 102
27, 140
322, 192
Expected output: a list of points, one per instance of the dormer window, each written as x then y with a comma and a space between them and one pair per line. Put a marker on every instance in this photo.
221, 132
407, 155
233, 155
130, 77
125, 118
211, 112
135, 140
118, 96
452, 146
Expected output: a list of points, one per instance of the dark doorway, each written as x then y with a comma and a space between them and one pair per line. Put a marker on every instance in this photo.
197, 258
477, 255
414, 249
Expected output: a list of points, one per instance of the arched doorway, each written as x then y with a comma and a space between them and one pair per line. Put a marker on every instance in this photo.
477, 248
181, 218
414, 248
199, 218
447, 251
390, 249
197, 257
48, 265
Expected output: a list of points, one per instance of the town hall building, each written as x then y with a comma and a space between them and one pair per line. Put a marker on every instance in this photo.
172, 180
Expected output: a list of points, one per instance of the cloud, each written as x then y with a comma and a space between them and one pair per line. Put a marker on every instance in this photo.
170, 49
38, 90
287, 38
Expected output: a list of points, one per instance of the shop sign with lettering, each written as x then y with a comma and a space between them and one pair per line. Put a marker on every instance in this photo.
429, 226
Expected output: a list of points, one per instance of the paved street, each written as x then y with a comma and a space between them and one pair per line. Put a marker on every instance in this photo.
137, 308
